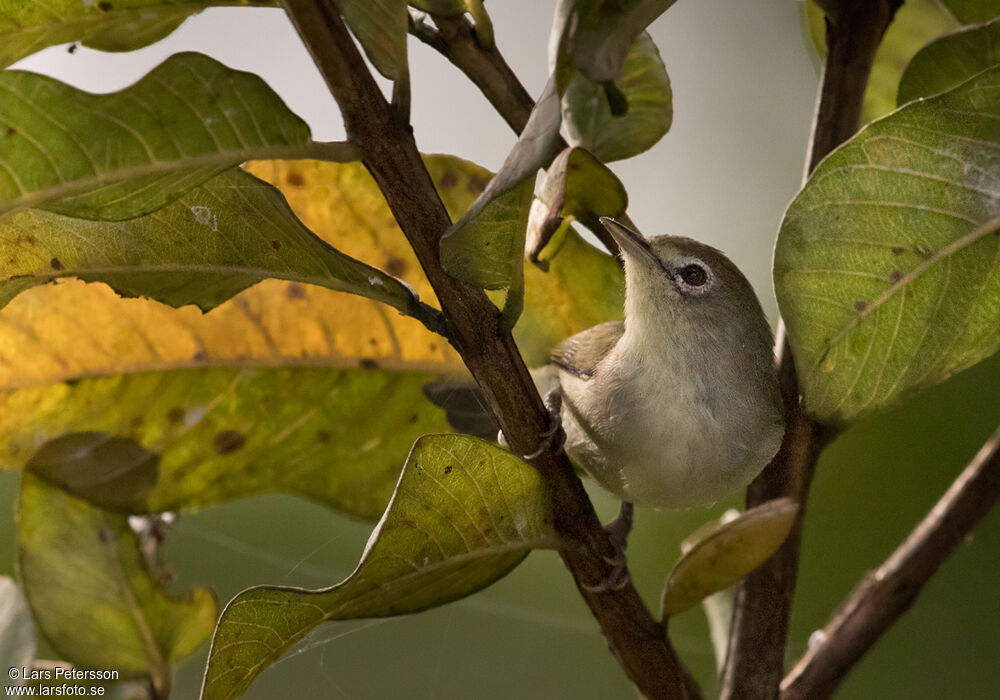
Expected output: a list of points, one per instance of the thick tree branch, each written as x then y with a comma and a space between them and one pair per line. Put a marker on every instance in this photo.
391, 155
759, 633
882, 597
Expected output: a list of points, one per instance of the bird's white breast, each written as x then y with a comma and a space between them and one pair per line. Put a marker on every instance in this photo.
657, 434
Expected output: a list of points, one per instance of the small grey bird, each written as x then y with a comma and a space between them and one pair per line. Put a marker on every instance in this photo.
677, 406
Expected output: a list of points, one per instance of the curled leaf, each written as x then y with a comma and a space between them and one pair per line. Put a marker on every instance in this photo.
464, 514
729, 551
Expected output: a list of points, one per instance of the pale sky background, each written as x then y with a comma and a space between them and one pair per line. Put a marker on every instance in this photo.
743, 84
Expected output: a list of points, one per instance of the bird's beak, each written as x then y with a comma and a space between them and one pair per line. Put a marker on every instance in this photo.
631, 242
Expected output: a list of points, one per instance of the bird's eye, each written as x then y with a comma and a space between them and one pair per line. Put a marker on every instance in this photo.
694, 275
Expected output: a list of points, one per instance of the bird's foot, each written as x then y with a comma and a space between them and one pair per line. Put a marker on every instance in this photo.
554, 436
618, 531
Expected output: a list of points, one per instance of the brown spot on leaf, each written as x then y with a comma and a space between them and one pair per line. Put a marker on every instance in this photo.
413, 419
105, 6
56, 264
367, 363
432, 347
323, 436
896, 250
447, 470
295, 291
448, 180
895, 276
295, 179
11, 131
860, 305
276, 245
396, 266
477, 184
103, 535
227, 441
175, 414
372, 341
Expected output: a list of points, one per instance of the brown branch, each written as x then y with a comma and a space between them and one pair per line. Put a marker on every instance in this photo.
882, 597
759, 632
391, 155
455, 39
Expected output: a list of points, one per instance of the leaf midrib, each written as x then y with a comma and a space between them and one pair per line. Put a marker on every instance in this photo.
984, 229
333, 151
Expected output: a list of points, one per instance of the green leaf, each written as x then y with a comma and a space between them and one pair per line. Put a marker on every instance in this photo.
583, 186
972, 11
380, 26
464, 514
950, 60
598, 35
717, 559
114, 473
886, 266
91, 591
219, 239
486, 247
123, 25
646, 87
336, 436
17, 629
577, 186
128, 153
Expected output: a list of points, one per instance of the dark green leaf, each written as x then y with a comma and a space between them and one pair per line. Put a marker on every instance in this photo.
971, 11
486, 247
598, 34
123, 25
951, 60
219, 239
719, 555
464, 514
92, 594
646, 87
886, 265
128, 153
114, 473
17, 629
380, 26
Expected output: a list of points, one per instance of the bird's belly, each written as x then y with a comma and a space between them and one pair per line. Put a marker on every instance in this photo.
662, 447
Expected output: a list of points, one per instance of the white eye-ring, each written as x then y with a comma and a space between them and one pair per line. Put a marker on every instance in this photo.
694, 277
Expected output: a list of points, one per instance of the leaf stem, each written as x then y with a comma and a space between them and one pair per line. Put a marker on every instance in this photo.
883, 596
759, 632
391, 155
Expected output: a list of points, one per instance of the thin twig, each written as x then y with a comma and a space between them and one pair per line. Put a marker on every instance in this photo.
882, 597
759, 633
391, 155
455, 39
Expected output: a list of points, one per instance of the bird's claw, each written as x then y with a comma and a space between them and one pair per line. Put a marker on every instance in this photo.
618, 531
553, 436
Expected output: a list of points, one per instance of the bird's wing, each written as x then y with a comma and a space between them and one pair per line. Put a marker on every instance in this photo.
579, 354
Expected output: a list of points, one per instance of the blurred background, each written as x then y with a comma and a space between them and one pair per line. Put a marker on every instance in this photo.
744, 81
